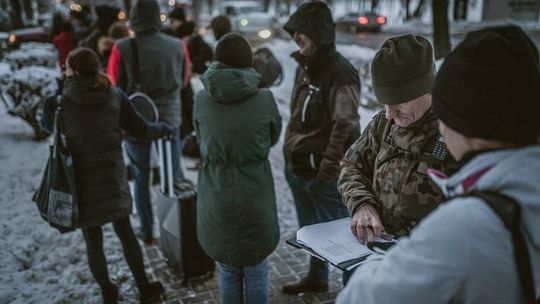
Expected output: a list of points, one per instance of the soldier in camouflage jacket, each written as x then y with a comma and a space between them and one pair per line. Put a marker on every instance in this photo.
383, 179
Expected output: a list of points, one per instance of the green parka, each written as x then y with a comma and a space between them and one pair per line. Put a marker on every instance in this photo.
236, 123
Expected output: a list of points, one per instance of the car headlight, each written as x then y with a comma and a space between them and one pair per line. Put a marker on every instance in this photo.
244, 22
264, 34
12, 39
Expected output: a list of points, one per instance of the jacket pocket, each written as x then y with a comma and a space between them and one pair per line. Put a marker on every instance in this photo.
305, 165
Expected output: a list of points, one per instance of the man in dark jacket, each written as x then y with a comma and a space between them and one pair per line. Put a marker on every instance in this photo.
324, 123
160, 67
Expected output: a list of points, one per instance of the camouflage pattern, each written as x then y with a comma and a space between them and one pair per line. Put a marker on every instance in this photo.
386, 167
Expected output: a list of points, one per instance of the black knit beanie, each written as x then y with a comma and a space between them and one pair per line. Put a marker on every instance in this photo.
403, 69
489, 86
234, 50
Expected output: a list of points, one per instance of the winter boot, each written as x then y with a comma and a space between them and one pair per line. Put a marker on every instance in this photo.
305, 285
150, 292
110, 294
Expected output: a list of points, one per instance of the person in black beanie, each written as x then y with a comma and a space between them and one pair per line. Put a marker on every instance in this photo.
236, 123
487, 98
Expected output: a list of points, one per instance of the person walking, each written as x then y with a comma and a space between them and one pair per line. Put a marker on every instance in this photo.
94, 114
236, 123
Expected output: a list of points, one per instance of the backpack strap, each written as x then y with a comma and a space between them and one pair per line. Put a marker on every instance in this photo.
509, 212
135, 65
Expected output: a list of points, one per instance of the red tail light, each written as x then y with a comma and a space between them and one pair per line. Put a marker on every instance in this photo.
363, 20
380, 20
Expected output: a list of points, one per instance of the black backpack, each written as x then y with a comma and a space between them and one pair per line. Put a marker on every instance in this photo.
201, 54
509, 212
268, 66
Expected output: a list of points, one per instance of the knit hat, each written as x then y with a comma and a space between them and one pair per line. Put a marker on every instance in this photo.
234, 50
489, 86
403, 69
178, 14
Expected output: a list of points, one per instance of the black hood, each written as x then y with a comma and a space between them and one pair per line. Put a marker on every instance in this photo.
145, 16
313, 19
106, 16
80, 90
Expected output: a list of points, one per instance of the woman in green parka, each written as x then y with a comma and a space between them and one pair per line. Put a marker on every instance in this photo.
236, 125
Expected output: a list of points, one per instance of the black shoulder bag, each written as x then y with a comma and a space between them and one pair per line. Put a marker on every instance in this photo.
56, 197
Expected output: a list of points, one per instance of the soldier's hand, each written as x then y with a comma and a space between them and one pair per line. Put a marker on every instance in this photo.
366, 224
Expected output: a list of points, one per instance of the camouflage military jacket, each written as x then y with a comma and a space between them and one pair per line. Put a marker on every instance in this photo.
386, 167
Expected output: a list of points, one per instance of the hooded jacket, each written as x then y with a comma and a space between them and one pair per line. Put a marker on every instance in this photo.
161, 62
462, 252
324, 106
236, 124
94, 120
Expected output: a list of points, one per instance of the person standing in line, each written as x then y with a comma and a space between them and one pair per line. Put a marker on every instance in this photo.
236, 124
324, 122
161, 64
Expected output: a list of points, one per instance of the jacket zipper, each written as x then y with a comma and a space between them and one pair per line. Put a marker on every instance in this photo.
312, 90
312, 160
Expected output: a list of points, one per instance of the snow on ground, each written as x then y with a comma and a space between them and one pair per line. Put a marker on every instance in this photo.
38, 264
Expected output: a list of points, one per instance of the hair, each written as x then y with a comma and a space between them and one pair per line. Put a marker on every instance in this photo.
118, 30
85, 62
221, 25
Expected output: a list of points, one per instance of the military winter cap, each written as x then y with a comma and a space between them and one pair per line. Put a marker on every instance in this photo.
489, 86
403, 69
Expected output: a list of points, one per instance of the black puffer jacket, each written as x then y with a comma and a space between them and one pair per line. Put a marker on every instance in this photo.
324, 107
94, 120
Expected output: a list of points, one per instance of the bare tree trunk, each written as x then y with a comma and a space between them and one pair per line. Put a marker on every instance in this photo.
407, 9
210, 4
441, 36
266, 5
374, 4
419, 8
28, 10
197, 7
16, 14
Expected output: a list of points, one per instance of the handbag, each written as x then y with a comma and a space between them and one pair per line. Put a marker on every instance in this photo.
56, 197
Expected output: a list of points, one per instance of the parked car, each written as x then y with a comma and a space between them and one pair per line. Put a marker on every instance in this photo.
34, 34
361, 22
250, 19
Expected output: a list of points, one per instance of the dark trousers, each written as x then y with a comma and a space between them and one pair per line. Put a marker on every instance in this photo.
316, 203
93, 236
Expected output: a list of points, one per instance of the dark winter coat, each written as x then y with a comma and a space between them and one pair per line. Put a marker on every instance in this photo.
93, 121
324, 107
161, 61
236, 124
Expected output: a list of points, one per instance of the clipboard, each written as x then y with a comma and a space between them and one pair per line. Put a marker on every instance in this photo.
345, 266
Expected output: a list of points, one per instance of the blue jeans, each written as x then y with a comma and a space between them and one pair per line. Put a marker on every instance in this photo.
139, 157
316, 202
246, 283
